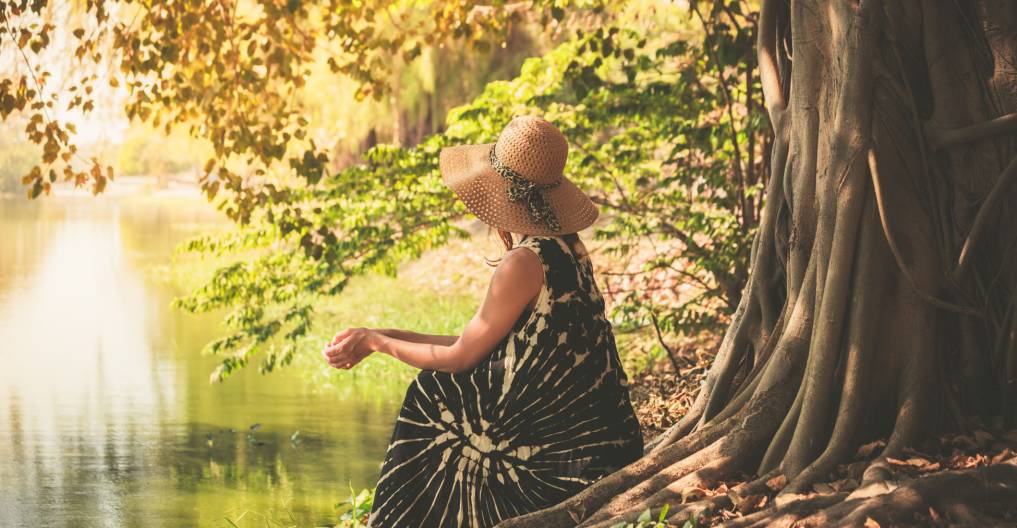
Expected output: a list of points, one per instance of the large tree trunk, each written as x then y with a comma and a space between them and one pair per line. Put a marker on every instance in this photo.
882, 289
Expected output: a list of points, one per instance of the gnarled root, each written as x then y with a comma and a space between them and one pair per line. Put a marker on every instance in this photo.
923, 501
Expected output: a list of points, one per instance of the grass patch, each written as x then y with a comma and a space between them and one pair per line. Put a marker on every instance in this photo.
379, 301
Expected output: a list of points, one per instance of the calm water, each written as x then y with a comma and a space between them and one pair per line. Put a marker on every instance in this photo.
106, 414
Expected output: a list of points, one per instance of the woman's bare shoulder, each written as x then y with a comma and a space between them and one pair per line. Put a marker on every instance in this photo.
521, 261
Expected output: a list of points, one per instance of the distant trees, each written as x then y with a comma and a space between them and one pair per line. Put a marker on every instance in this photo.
17, 157
146, 152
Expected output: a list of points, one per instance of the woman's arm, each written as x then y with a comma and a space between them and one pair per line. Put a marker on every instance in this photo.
414, 337
516, 282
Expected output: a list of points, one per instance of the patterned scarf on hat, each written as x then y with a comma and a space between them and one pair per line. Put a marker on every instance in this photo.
529, 193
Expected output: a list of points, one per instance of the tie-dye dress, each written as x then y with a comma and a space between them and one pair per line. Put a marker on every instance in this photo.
542, 417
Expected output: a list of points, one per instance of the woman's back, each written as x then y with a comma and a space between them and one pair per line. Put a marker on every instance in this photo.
542, 417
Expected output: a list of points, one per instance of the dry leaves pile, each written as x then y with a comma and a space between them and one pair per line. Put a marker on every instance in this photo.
660, 396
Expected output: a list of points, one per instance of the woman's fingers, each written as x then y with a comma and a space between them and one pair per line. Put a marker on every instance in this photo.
345, 333
341, 361
341, 351
341, 347
336, 338
341, 355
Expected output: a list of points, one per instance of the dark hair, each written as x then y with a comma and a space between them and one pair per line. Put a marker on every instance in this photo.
509, 242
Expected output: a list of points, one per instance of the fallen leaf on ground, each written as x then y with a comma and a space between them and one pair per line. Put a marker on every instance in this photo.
921, 464
777, 483
1002, 455
866, 450
822, 487
752, 503
692, 493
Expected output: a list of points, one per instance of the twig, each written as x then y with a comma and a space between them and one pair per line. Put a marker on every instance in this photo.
39, 92
660, 339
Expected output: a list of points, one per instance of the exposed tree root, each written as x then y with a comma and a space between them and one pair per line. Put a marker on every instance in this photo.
875, 284
908, 504
711, 465
788, 514
742, 494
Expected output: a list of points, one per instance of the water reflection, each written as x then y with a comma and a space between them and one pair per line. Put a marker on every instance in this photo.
106, 416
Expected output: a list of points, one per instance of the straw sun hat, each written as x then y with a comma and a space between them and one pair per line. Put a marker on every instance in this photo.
517, 183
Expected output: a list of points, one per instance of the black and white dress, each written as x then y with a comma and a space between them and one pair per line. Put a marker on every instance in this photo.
542, 417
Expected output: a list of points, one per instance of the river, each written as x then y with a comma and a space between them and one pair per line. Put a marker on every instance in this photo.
107, 417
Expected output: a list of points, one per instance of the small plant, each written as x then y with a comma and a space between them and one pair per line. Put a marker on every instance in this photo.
354, 511
645, 520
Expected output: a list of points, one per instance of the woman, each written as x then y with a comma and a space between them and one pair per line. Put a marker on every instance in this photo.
529, 405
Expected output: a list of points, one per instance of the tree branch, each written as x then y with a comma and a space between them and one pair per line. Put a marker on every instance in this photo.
660, 339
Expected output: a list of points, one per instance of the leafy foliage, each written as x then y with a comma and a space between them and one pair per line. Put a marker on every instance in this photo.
230, 71
653, 143
665, 131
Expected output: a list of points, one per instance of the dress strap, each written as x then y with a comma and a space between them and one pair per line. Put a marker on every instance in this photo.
533, 244
530, 241
539, 245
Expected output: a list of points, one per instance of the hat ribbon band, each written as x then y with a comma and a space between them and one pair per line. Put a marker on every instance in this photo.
528, 192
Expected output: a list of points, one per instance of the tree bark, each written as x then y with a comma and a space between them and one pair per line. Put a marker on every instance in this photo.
881, 296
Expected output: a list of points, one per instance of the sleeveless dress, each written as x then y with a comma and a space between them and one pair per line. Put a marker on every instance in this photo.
546, 414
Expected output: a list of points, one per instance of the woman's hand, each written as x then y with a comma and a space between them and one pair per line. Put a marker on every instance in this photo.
515, 285
349, 347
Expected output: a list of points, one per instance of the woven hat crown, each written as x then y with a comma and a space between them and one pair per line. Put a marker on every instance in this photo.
518, 183
533, 148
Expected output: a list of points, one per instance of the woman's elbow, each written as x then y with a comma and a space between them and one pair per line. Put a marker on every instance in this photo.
465, 361
462, 367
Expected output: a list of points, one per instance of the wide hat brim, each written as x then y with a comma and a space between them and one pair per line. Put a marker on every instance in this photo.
467, 170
